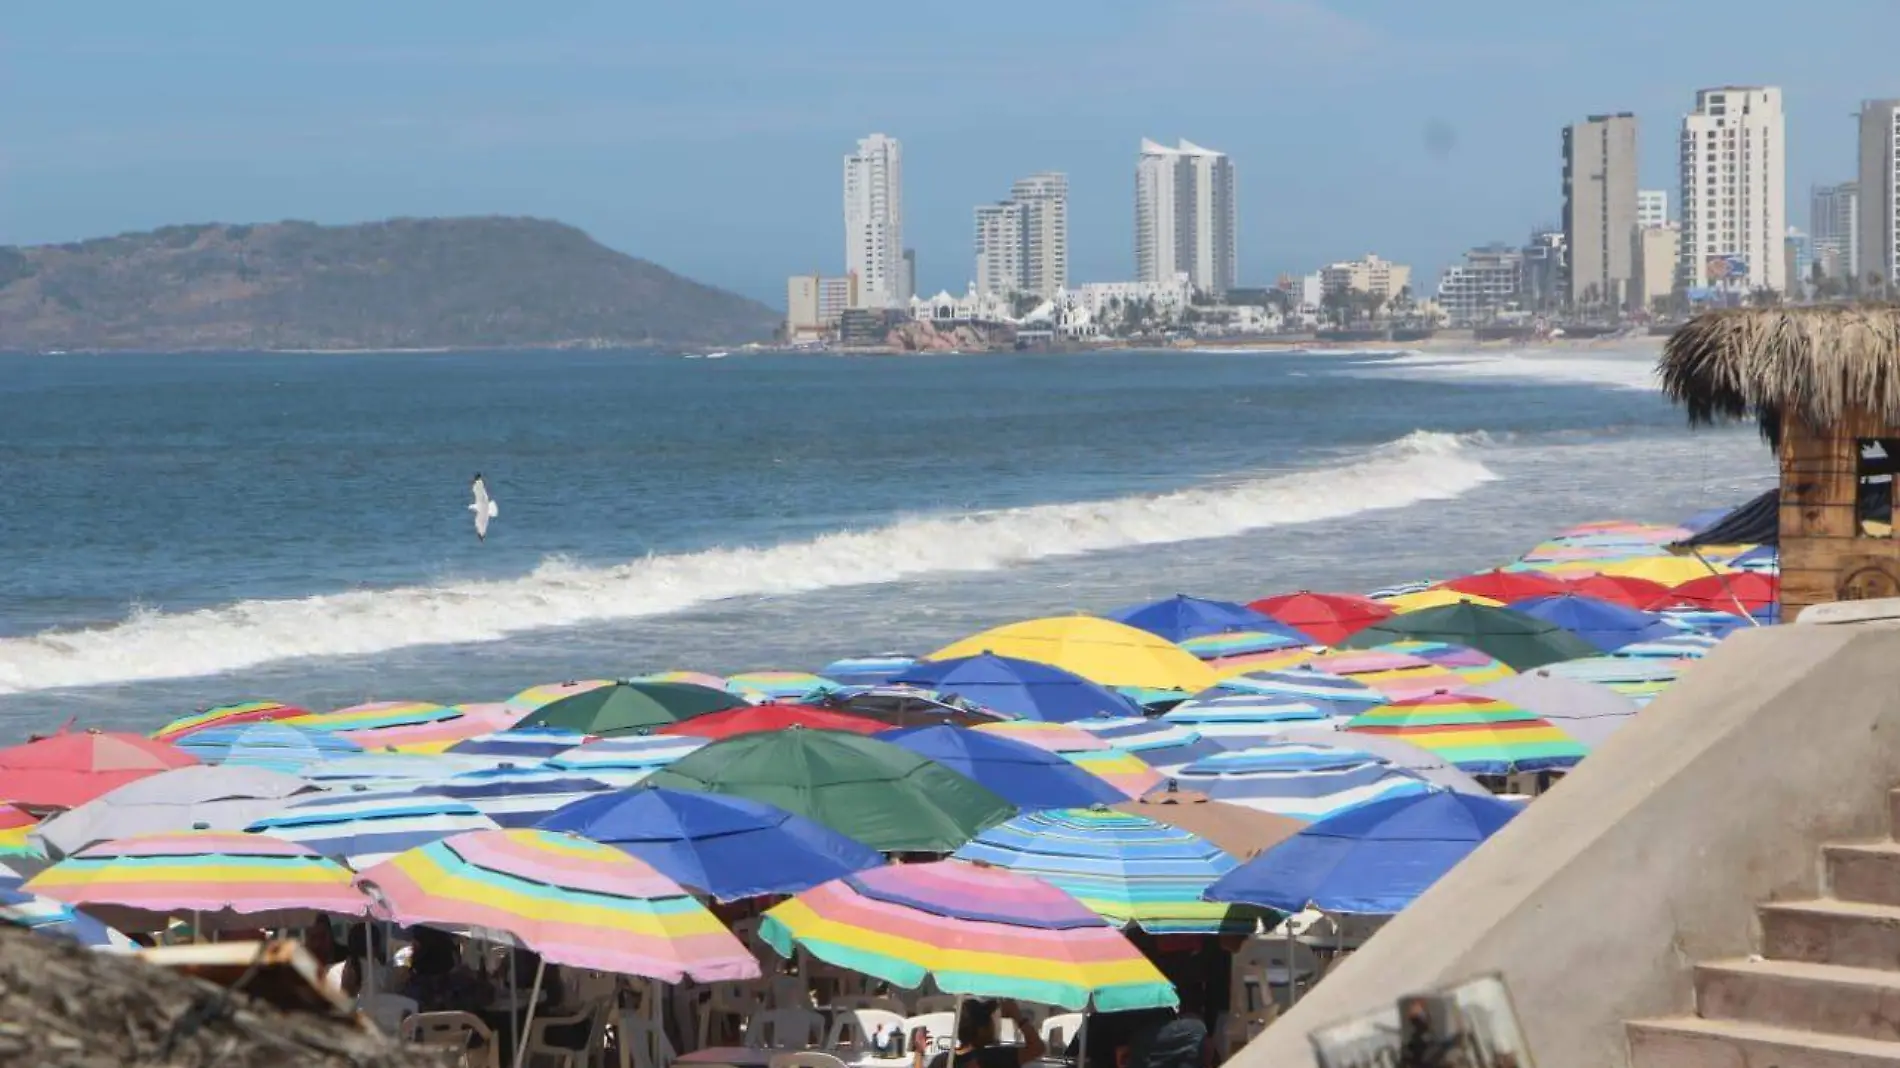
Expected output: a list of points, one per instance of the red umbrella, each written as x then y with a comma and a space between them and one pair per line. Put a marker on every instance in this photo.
1622, 589
1754, 590
68, 770
1508, 587
772, 717
1328, 617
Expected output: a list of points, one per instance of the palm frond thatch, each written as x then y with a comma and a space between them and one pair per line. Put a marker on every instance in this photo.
1819, 363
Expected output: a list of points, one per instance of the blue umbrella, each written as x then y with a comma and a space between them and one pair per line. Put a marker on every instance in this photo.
1020, 773
524, 744
1181, 617
728, 847
1243, 719
1308, 782
274, 746
1023, 688
1705, 519
1373, 860
622, 762
1763, 558
55, 919
867, 670
1164, 746
1605, 624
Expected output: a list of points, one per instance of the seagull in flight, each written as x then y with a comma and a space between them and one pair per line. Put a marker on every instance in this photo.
484, 507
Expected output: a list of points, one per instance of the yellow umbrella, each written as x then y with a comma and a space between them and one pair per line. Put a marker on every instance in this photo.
1668, 570
1100, 650
1437, 597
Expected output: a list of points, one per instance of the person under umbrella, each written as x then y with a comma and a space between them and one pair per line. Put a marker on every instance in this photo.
978, 1041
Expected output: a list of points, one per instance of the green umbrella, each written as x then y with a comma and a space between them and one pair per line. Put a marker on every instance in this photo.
883, 795
1521, 641
629, 707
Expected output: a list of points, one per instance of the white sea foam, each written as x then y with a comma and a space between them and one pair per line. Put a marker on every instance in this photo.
1632, 367
156, 645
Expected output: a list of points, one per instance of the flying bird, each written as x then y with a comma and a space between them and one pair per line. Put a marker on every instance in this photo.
484, 507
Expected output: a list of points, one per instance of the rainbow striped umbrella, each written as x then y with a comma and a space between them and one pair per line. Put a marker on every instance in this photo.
1232, 648
438, 735
226, 715
15, 825
983, 932
1128, 869
1481, 735
1397, 675
360, 721
622, 762
1474, 666
229, 878
1117, 766
761, 686
534, 697
574, 902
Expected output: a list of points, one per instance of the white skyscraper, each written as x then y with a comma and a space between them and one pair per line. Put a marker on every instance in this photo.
1045, 201
1879, 226
874, 220
999, 248
1833, 221
1184, 216
1652, 208
1734, 190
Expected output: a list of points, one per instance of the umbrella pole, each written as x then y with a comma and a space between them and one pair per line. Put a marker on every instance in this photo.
1082, 1040
625, 1040
1726, 588
534, 995
1292, 968
514, 1006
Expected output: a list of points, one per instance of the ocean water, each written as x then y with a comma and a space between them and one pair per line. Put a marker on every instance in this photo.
183, 530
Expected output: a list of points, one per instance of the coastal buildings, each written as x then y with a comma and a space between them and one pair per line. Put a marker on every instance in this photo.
1371, 275
1600, 207
999, 248
1652, 207
874, 221
1184, 216
815, 304
1878, 229
1545, 266
1655, 255
1734, 189
1489, 281
1833, 223
1022, 244
1797, 254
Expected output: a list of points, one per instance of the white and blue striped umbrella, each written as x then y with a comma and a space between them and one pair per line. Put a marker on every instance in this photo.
1640, 678
1243, 719
1164, 746
622, 762
1308, 782
394, 771
521, 745
867, 670
520, 797
1333, 694
365, 827
1400, 590
56, 919
1705, 621
1678, 647
273, 746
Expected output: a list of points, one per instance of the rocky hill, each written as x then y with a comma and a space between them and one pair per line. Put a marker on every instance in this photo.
404, 283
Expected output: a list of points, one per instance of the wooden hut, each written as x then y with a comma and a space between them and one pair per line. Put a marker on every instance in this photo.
1824, 385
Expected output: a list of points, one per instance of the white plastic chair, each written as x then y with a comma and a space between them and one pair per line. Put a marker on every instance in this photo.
1057, 1031
936, 1025
643, 1043
735, 1002
387, 1011
784, 1029
805, 1059
881, 1002
594, 1017
1275, 964
457, 1031
853, 1029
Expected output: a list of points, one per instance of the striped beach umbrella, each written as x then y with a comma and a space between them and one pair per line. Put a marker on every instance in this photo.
1327, 617
521, 745
272, 746
1333, 694
56, 919
695, 678
622, 762
534, 697
360, 722
1242, 649
573, 902
1307, 782
519, 796
1242, 719
762, 686
1400, 589
361, 828
225, 716
390, 771
979, 932
438, 735
1641, 679
1675, 647
226, 878
1481, 735
867, 670
1162, 745
1128, 869
1435, 597
1397, 675
1473, 666
1114, 765
15, 826
1707, 621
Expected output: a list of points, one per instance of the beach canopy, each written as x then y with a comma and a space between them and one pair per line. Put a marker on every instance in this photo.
1131, 870
1506, 586
1751, 590
1373, 860
70, 769
365, 827
1301, 781
573, 902
770, 717
225, 716
977, 932
1586, 711
1820, 363
883, 795
1606, 625
1117, 766
1327, 617
1625, 590
272, 746
1181, 617
1101, 650
630, 707
727, 848
200, 797
1519, 640
1240, 832
1029, 689
1025, 775
1481, 735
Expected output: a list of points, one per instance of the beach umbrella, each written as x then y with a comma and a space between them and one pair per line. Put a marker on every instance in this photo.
572, 902
1519, 640
70, 769
725, 847
1584, 710
1401, 589
1240, 832
1481, 735
1101, 650
1117, 766
1751, 590
1763, 558
622, 762
1641, 679
977, 932
1242, 651
1326, 617
1396, 675
1666, 570
361, 722
200, 797
1026, 776
1677, 646
1393, 750
1706, 518
1436, 597
393, 770
55, 919
1162, 745
1606, 625
472, 721
225, 716
524, 745
1471, 665
224, 878
1619, 589
1305, 782
271, 746
1181, 617
16, 827
881, 794
515, 796
1232, 719
365, 827
696, 678
1504, 587
1711, 623
771, 717
1028, 689
1332, 694
763, 686
1373, 860
1130, 870
536, 697
866, 670
630, 707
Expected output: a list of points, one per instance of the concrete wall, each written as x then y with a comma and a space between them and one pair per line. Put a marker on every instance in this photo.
1595, 903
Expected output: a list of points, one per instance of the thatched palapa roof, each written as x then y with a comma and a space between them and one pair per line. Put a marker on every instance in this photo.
1819, 362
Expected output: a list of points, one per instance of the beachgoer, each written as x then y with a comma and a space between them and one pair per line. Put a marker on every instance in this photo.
439, 981
977, 1045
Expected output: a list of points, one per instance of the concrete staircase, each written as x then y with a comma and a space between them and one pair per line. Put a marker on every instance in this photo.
1824, 994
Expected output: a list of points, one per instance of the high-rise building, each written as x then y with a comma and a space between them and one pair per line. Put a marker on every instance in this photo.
1734, 190
1546, 268
1879, 226
907, 279
999, 248
1490, 280
1184, 216
1372, 275
1834, 225
874, 220
814, 304
1045, 201
1655, 255
1600, 207
1652, 207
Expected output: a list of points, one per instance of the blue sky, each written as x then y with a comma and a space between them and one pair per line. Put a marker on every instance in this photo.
708, 135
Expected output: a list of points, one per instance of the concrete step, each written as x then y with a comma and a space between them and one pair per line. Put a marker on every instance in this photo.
1829, 998
1690, 1042
1849, 933
1863, 871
